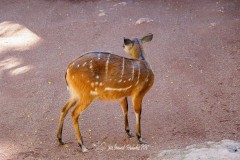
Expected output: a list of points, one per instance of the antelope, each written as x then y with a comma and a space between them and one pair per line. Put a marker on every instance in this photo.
106, 76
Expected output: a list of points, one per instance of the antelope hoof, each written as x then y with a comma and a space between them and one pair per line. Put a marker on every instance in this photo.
130, 134
60, 141
84, 149
141, 141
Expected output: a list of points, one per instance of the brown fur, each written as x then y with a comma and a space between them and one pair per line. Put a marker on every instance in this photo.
105, 76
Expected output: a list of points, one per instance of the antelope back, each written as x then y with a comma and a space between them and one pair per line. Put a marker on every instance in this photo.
107, 76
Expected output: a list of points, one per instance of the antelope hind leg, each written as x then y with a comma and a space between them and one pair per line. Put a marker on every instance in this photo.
65, 109
80, 107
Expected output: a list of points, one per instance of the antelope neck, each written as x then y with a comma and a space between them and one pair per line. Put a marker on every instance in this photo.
140, 50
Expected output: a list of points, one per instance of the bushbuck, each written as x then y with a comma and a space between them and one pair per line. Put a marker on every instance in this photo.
106, 76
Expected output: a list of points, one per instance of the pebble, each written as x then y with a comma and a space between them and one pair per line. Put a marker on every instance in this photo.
144, 20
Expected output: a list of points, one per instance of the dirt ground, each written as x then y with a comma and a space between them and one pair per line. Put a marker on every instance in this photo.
195, 55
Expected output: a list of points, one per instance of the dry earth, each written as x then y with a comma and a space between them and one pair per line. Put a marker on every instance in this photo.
195, 55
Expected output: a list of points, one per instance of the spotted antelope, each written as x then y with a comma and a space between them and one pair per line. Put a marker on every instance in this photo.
105, 76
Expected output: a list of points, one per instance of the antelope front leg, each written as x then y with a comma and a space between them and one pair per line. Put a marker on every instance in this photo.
80, 107
137, 102
124, 105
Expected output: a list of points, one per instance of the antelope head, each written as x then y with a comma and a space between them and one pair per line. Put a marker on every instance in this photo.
134, 47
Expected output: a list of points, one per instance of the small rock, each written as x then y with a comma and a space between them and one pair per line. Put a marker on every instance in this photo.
212, 24
225, 149
121, 3
232, 148
144, 20
101, 14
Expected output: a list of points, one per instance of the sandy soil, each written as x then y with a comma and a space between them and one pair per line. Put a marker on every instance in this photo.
195, 55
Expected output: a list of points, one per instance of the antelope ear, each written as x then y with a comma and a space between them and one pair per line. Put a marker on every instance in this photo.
147, 38
127, 41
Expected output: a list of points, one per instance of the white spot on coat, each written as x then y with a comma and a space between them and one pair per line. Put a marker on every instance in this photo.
84, 64
94, 93
107, 62
139, 72
132, 70
91, 66
117, 89
123, 63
